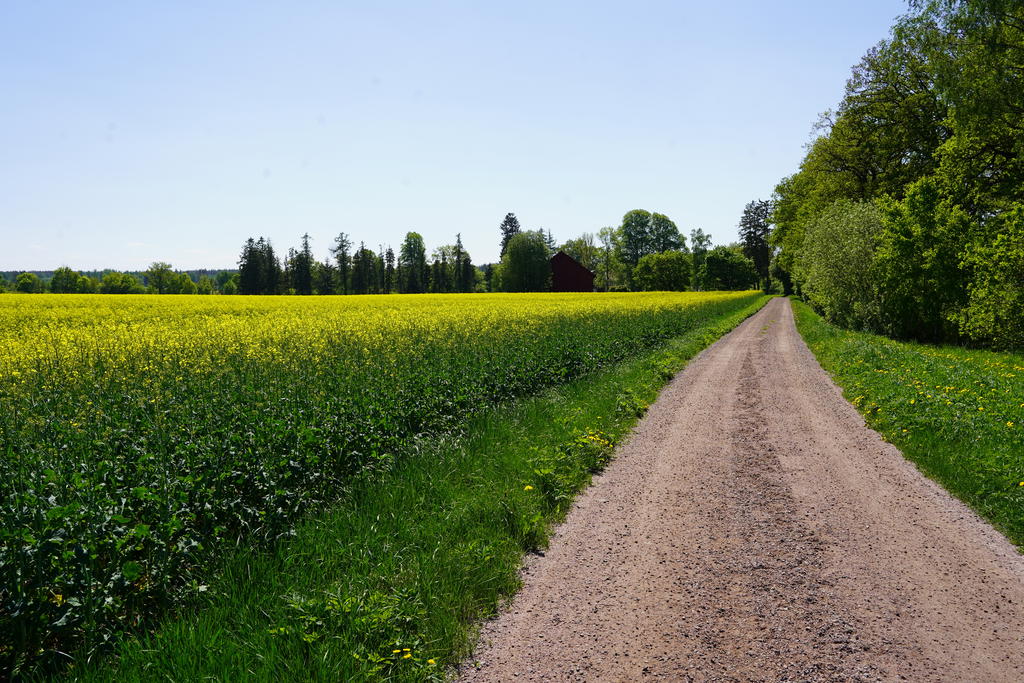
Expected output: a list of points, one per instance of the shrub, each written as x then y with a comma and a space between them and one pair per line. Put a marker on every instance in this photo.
668, 271
995, 297
917, 268
836, 263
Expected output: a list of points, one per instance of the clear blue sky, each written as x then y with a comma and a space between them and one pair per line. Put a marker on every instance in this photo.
137, 131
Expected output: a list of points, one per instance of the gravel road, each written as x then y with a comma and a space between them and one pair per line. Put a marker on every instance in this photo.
754, 529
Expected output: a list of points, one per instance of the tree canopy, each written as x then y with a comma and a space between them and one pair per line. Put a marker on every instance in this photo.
930, 131
526, 266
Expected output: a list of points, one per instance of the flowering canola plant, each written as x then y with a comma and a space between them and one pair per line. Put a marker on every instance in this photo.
139, 434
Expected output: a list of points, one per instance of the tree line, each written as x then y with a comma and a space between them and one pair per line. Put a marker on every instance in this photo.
159, 278
906, 215
645, 252
357, 270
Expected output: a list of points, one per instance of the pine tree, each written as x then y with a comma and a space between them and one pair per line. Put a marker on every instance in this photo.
509, 228
414, 275
754, 228
549, 240
341, 247
270, 268
363, 270
249, 269
389, 271
464, 277
258, 269
378, 271
323, 277
302, 268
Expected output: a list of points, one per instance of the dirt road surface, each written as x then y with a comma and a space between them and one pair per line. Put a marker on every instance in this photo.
753, 529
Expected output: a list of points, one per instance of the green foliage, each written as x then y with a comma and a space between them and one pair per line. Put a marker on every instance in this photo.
184, 285
205, 285
29, 283
633, 240
509, 228
64, 281
302, 268
628, 404
120, 283
162, 279
700, 243
664, 235
643, 233
782, 281
930, 127
464, 273
725, 269
366, 275
87, 285
526, 266
343, 258
995, 300
974, 50
754, 228
585, 250
668, 271
836, 264
958, 414
917, 272
608, 267
412, 274
452, 269
259, 271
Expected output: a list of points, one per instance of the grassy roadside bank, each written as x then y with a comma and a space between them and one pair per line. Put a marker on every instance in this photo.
388, 584
958, 414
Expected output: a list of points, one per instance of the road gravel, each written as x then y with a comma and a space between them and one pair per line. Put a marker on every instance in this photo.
752, 528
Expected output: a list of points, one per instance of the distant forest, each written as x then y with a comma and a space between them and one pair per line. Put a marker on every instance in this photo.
645, 252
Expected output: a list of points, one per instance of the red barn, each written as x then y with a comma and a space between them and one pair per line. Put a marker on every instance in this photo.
568, 275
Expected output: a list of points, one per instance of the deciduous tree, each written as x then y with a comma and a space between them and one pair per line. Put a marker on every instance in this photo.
726, 269
668, 271
412, 265
64, 281
526, 265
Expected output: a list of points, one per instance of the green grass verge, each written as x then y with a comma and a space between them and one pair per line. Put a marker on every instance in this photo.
389, 583
958, 414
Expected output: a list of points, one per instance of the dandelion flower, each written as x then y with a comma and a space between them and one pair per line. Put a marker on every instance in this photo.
527, 488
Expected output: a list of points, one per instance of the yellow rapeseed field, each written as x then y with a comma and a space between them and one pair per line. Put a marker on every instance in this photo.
141, 433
